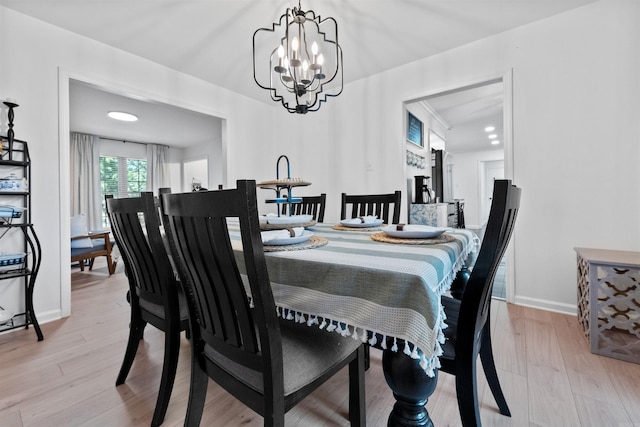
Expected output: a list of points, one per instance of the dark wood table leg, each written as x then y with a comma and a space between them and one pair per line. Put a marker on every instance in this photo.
460, 282
411, 387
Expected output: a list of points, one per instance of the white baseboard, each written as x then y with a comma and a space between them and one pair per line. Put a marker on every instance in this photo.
43, 318
49, 316
548, 305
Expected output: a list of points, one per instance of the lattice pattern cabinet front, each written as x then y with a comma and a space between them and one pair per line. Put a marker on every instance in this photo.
609, 301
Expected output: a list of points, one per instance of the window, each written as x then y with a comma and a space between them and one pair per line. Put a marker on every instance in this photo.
121, 177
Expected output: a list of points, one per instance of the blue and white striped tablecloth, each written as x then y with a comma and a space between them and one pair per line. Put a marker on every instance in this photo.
360, 287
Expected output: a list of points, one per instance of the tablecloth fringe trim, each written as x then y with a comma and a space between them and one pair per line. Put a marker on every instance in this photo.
445, 284
345, 329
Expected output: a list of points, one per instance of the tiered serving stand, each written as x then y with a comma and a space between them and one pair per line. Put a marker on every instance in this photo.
283, 184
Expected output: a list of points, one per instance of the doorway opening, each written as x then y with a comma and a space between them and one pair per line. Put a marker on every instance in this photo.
475, 123
214, 143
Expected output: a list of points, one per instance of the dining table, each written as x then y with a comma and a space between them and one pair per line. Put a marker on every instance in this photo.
385, 292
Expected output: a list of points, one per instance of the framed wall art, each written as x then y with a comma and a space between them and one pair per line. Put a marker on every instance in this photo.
415, 132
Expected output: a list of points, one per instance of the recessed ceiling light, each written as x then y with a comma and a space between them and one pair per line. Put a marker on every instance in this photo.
489, 129
495, 142
125, 117
493, 136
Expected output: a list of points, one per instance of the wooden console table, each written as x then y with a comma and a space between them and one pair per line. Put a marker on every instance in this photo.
609, 301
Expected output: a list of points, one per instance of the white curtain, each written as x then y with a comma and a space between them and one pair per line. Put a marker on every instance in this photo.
85, 178
157, 167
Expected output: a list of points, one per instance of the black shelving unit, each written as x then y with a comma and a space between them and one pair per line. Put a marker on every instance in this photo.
15, 160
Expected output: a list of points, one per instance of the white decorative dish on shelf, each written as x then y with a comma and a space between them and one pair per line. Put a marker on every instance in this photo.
5, 316
413, 231
12, 261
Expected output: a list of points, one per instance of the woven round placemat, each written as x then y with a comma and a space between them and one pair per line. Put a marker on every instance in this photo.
313, 242
283, 226
443, 238
345, 228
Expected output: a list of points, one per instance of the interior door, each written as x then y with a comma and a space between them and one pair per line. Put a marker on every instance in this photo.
492, 170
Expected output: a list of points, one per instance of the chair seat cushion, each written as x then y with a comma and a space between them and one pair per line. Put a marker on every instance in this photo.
452, 310
97, 246
308, 352
158, 309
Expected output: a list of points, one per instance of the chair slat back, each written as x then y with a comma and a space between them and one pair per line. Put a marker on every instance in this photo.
310, 205
136, 228
372, 204
225, 317
475, 304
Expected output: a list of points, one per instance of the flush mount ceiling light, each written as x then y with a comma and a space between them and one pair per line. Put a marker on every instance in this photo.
489, 129
301, 66
495, 142
125, 117
493, 136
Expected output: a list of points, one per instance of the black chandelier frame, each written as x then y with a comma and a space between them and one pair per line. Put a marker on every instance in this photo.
286, 75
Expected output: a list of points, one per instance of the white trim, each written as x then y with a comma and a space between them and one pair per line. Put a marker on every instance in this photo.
65, 198
548, 305
424, 104
507, 140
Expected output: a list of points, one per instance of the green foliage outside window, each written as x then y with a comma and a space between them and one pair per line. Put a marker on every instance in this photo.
121, 177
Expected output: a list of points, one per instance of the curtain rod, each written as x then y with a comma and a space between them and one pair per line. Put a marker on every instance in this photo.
127, 141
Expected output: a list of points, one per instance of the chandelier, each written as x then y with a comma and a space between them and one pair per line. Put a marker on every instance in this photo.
305, 63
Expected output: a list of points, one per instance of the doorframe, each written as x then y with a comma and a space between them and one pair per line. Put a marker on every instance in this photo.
64, 161
509, 170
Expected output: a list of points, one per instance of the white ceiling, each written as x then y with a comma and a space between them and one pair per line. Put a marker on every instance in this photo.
212, 39
157, 123
467, 112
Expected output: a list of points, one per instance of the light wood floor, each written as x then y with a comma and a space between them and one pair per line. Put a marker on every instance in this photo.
549, 376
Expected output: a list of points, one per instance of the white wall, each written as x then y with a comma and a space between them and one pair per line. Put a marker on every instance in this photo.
576, 107
37, 62
212, 152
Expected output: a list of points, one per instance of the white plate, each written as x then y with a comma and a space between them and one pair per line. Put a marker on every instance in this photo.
293, 219
416, 232
306, 235
375, 223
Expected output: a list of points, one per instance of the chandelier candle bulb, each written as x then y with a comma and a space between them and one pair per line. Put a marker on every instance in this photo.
294, 53
287, 76
319, 74
305, 72
280, 69
314, 51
